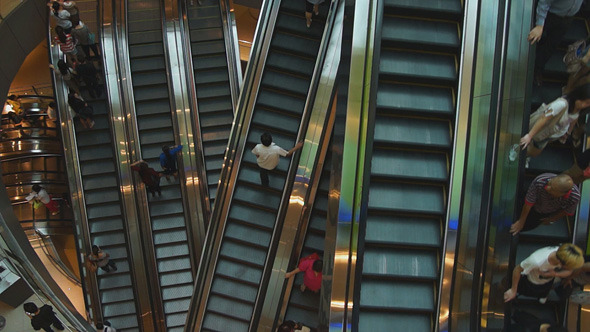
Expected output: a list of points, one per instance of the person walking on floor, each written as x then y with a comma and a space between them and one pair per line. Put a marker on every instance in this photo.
42, 318
267, 155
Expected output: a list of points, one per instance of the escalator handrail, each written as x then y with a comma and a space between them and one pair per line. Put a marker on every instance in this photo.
232, 50
72, 163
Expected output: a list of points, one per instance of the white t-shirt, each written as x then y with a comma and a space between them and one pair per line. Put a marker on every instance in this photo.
42, 195
268, 156
536, 263
561, 127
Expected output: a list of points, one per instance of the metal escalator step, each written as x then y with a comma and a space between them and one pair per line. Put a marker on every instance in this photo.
262, 218
216, 60
118, 309
314, 242
295, 45
241, 272
165, 209
381, 321
95, 153
288, 104
257, 196
213, 91
150, 93
275, 120
231, 289
578, 30
145, 25
151, 63
288, 83
321, 202
557, 231
214, 148
177, 278
213, 176
174, 264
111, 242
149, 78
384, 262
215, 75
106, 225
548, 92
421, 34
525, 249
172, 251
419, 133
429, 100
226, 306
104, 210
554, 159
145, 37
206, 22
125, 323
407, 296
208, 47
243, 252
297, 314
215, 322
97, 167
277, 180
205, 35
146, 50
215, 105
154, 107
251, 237
444, 6
555, 66
427, 68
104, 195
168, 222
295, 24
403, 230
217, 120
176, 320
97, 137
204, 10
116, 295
169, 236
185, 290
317, 222
115, 282
407, 197
99, 182
290, 63
410, 164
307, 300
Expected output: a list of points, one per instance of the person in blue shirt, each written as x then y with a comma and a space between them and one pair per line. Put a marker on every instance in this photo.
553, 19
168, 160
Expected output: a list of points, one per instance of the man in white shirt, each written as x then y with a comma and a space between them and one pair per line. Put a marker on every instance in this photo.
268, 155
534, 276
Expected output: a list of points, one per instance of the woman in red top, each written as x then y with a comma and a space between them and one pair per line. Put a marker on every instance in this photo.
67, 44
312, 267
149, 177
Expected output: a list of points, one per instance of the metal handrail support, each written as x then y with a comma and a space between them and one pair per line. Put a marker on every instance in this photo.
232, 49
72, 163
297, 202
232, 160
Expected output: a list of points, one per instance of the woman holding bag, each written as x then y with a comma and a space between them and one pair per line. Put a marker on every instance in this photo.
555, 121
85, 38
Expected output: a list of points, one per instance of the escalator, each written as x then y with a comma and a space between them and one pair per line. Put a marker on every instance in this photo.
212, 85
303, 307
401, 254
237, 268
555, 158
106, 222
155, 125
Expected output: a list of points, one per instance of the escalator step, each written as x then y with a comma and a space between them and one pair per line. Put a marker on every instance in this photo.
172, 251
174, 264
389, 262
405, 197
428, 68
106, 225
215, 105
381, 321
145, 37
295, 24
184, 291
256, 196
151, 93
231, 289
104, 195
399, 230
151, 63
165, 209
421, 34
400, 295
216, 60
167, 222
443, 6
137, 25
119, 309
175, 319
97, 167
276, 120
261, 218
290, 63
214, 91
216, 322
244, 273
420, 99
146, 50
116, 295
578, 30
104, 211
418, 133
205, 35
204, 22
288, 83
282, 102
170, 236
177, 278
113, 282
127, 323
99, 182
255, 237
95, 153
296, 45
232, 308
211, 76
410, 165
149, 78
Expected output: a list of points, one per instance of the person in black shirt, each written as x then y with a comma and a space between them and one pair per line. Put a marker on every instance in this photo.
82, 109
89, 75
42, 318
527, 322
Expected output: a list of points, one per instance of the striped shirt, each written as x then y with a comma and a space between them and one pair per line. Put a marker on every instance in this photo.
543, 202
69, 46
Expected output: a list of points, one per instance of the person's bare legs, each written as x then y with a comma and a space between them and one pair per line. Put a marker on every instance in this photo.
316, 9
308, 19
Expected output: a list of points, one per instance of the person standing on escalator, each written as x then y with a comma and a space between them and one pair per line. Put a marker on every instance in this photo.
268, 154
311, 7
168, 160
553, 19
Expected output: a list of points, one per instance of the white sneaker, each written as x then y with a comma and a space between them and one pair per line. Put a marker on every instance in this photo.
543, 300
527, 162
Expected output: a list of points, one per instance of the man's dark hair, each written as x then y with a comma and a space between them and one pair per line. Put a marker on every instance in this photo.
318, 265
287, 326
266, 139
99, 326
30, 307
36, 188
52, 104
95, 249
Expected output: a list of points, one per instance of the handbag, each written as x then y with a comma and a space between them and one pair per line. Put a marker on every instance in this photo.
37, 204
573, 55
